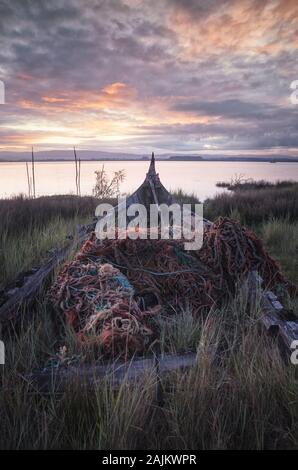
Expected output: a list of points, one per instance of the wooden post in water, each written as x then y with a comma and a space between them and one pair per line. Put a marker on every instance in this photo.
33, 173
77, 173
28, 180
79, 177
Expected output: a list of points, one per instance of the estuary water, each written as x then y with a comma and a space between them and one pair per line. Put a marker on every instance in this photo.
193, 177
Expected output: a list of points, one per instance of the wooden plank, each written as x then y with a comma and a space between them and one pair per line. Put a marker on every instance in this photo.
275, 318
289, 333
56, 380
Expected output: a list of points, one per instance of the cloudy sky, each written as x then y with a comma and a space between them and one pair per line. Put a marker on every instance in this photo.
200, 76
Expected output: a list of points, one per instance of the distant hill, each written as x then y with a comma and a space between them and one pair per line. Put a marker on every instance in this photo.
188, 158
96, 155
252, 159
65, 155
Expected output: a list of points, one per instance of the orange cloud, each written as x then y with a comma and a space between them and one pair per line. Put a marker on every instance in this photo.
114, 113
113, 96
118, 89
245, 26
52, 99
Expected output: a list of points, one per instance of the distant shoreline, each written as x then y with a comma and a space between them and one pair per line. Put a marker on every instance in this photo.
170, 160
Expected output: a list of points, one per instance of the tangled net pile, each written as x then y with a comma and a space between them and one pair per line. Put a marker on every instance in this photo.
232, 251
98, 303
113, 287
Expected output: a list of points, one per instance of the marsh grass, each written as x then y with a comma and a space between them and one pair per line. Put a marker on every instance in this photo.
20, 213
239, 183
179, 331
239, 395
25, 249
249, 401
255, 206
280, 236
30, 228
185, 198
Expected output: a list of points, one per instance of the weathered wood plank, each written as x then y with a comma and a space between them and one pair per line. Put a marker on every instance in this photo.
56, 380
289, 333
275, 318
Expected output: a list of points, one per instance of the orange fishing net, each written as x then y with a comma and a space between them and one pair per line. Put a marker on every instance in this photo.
113, 287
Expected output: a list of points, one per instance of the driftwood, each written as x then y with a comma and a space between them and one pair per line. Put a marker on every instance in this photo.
276, 319
33, 283
58, 379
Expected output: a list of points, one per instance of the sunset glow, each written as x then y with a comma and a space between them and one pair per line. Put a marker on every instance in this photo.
186, 76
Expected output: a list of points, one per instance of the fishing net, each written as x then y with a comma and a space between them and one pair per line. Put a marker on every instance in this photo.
98, 303
113, 288
232, 251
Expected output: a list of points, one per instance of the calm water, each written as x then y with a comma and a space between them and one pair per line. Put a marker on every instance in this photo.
198, 177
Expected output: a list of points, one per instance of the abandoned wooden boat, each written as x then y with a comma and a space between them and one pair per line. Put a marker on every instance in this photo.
151, 191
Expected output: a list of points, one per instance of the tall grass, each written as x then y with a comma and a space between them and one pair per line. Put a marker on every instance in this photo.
239, 394
281, 235
185, 198
239, 183
19, 213
281, 239
255, 206
31, 227
249, 401
25, 249
243, 400
179, 332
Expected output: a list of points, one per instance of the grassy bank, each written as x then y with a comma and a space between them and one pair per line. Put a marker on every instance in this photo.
23, 214
243, 398
241, 184
252, 205
30, 228
240, 394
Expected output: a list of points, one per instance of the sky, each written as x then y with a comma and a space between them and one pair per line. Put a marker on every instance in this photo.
185, 76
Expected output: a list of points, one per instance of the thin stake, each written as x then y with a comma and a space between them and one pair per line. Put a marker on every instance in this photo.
79, 176
76, 165
33, 174
28, 180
